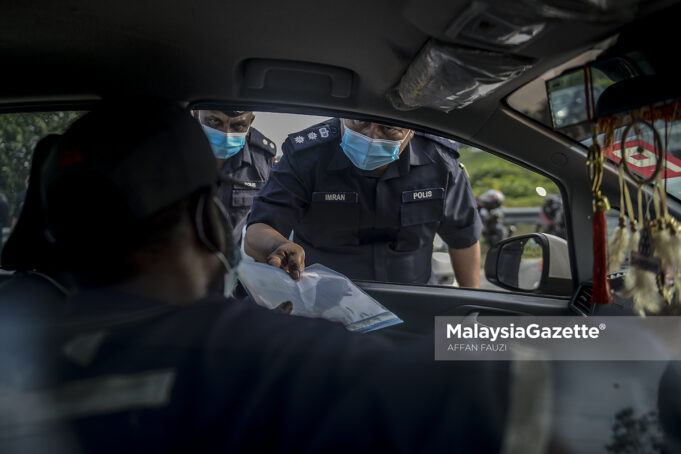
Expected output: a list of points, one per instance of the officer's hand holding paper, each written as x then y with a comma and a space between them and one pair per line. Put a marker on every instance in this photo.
266, 245
290, 257
319, 293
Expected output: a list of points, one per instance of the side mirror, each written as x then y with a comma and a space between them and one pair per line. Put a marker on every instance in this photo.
534, 263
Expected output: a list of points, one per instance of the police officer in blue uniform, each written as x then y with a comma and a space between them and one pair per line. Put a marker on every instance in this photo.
366, 200
243, 153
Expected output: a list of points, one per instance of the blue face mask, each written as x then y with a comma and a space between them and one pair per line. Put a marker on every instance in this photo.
224, 145
367, 153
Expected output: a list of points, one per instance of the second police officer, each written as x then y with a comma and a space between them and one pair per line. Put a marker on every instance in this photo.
366, 199
243, 153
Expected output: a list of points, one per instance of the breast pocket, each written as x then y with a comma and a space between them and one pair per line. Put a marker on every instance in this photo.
421, 206
242, 197
332, 220
421, 212
419, 221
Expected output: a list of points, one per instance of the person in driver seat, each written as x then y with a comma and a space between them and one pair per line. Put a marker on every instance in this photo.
151, 356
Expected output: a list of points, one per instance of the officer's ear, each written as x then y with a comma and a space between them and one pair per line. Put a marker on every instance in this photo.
252, 119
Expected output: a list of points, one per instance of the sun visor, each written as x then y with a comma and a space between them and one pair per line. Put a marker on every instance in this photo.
448, 77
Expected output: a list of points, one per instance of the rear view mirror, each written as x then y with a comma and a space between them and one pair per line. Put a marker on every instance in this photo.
533, 263
566, 93
567, 98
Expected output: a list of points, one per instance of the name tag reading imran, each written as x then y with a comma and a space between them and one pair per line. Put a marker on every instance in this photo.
341, 197
423, 194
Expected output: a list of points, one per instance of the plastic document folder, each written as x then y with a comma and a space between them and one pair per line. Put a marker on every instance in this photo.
320, 293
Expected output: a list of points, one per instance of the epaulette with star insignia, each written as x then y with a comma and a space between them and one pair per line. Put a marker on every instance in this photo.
314, 135
258, 140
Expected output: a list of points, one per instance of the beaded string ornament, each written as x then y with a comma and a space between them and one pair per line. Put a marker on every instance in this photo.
653, 244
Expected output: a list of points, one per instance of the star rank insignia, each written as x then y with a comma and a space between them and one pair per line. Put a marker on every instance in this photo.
299, 139
312, 136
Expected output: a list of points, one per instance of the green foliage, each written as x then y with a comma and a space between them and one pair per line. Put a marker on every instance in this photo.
19, 133
518, 184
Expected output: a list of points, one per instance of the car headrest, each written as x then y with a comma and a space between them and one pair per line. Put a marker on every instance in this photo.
27, 248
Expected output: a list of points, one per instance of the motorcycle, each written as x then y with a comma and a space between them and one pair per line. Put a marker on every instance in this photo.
552, 217
492, 215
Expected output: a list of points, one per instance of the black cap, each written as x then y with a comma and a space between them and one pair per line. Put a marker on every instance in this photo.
152, 156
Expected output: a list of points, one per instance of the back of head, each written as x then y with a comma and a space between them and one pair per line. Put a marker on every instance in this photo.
115, 182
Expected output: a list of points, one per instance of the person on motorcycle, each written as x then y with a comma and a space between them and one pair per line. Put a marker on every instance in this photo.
552, 216
492, 215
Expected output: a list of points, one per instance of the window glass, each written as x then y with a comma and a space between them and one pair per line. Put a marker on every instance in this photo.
530, 202
569, 109
351, 200
640, 150
19, 134
396, 226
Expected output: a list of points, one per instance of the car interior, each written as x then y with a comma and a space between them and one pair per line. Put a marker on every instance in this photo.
475, 72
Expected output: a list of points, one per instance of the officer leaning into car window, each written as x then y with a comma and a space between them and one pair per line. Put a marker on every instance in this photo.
366, 200
241, 152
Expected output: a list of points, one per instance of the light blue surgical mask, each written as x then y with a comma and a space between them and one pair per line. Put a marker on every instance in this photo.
224, 144
367, 153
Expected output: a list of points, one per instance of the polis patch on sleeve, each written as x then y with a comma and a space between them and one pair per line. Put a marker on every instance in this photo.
419, 195
339, 197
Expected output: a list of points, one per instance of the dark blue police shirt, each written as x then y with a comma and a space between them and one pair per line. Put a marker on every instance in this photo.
251, 165
360, 224
113, 372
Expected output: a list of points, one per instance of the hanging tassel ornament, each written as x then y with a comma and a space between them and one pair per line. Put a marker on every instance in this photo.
642, 282
645, 269
675, 246
662, 245
634, 239
667, 237
619, 244
601, 293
